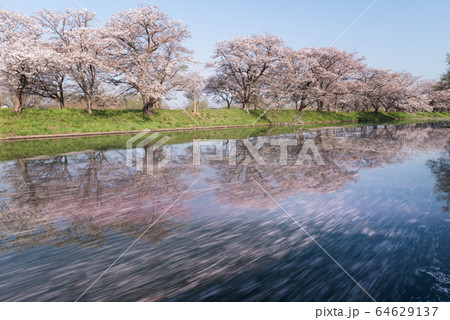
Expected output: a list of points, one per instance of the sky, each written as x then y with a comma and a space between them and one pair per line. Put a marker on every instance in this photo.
402, 35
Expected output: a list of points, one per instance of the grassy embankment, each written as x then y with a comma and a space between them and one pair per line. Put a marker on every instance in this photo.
52, 121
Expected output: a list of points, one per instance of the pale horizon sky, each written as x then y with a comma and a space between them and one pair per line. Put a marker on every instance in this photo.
401, 35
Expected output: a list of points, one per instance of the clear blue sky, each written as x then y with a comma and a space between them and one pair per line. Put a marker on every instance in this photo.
403, 35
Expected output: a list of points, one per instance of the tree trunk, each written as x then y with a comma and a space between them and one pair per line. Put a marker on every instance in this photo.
302, 105
195, 105
158, 103
245, 106
19, 94
19, 105
228, 105
149, 104
319, 105
61, 96
89, 104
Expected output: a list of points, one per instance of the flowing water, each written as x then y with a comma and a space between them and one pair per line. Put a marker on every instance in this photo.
372, 221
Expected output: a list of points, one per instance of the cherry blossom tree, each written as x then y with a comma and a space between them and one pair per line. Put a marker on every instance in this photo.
417, 96
439, 97
245, 62
296, 65
72, 34
216, 87
441, 100
289, 81
331, 69
399, 91
194, 85
22, 56
51, 83
324, 77
373, 87
57, 25
146, 53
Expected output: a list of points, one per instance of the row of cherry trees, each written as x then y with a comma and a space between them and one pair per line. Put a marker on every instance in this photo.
261, 71
138, 51
141, 51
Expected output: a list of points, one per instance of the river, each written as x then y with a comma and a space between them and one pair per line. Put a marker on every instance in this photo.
370, 223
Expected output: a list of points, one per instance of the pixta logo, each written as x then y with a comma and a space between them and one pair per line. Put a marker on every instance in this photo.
307, 151
142, 147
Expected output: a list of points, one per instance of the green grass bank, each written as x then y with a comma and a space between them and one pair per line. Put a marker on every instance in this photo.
55, 121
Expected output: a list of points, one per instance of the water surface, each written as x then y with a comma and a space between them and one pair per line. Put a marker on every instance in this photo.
379, 207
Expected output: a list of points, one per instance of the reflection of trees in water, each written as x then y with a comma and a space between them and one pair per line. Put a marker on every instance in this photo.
81, 198
345, 151
441, 170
